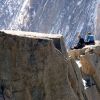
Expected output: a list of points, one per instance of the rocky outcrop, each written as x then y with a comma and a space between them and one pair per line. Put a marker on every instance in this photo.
75, 79
75, 53
91, 66
32, 67
58, 40
89, 57
91, 63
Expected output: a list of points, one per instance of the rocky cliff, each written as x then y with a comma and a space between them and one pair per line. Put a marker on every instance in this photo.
89, 58
37, 67
32, 67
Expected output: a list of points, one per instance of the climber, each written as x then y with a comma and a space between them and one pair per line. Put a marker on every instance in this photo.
89, 39
80, 43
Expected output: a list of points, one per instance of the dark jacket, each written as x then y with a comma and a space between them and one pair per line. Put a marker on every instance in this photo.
80, 44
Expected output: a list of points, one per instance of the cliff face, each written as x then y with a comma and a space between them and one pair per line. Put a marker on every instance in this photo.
90, 68
49, 16
32, 68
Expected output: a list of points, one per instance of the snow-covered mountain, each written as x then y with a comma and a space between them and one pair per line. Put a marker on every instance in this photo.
65, 17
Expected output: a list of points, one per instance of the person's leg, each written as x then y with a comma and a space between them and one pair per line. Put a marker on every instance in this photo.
86, 43
92, 42
76, 47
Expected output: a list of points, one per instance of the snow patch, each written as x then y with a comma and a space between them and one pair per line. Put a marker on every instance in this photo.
78, 63
67, 28
80, 27
69, 17
84, 83
79, 2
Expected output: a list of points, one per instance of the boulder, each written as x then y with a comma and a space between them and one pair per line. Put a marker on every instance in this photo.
58, 39
87, 67
89, 58
32, 67
75, 53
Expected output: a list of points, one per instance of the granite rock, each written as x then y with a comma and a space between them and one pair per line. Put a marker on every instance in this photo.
32, 68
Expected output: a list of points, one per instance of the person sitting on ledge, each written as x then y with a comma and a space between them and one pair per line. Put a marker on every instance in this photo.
80, 43
89, 39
